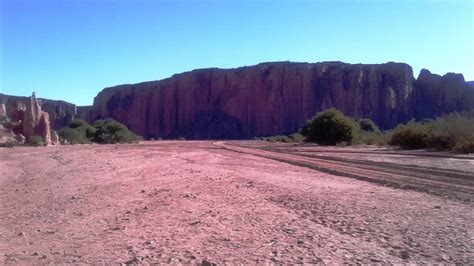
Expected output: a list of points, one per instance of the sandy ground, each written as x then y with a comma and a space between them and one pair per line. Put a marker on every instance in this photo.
233, 202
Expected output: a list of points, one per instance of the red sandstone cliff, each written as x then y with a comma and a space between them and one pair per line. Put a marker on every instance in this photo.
267, 99
277, 98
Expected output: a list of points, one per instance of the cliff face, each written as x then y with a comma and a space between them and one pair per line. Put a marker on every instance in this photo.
84, 112
277, 98
436, 95
60, 112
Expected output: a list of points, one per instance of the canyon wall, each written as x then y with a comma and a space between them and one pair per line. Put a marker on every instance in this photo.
266, 99
277, 98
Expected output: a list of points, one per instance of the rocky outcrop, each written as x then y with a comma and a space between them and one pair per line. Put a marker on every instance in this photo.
35, 121
3, 113
24, 121
266, 99
60, 112
436, 95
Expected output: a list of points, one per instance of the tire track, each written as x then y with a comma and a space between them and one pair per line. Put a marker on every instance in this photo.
440, 182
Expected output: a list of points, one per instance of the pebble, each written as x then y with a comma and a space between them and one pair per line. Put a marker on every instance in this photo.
404, 254
207, 263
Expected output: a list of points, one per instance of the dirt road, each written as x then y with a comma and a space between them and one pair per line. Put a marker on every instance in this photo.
224, 202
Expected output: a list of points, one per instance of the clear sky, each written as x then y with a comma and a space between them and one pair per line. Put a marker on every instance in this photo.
72, 49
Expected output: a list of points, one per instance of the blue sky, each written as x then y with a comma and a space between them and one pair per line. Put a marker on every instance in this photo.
72, 49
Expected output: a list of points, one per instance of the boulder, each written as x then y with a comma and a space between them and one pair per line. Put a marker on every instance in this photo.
20, 139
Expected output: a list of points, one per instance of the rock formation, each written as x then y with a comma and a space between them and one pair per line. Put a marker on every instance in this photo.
3, 113
277, 98
35, 121
60, 112
25, 120
436, 95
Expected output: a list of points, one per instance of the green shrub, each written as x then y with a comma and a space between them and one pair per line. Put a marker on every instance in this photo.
368, 133
367, 125
77, 132
110, 131
296, 137
102, 131
464, 146
330, 127
370, 138
292, 138
77, 123
453, 132
35, 141
74, 135
410, 136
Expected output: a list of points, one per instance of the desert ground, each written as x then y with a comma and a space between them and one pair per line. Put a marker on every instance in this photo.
183, 202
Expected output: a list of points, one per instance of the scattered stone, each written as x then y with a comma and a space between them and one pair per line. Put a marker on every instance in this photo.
404, 254
20, 138
142, 191
207, 263
437, 207
21, 234
36, 253
300, 242
135, 261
